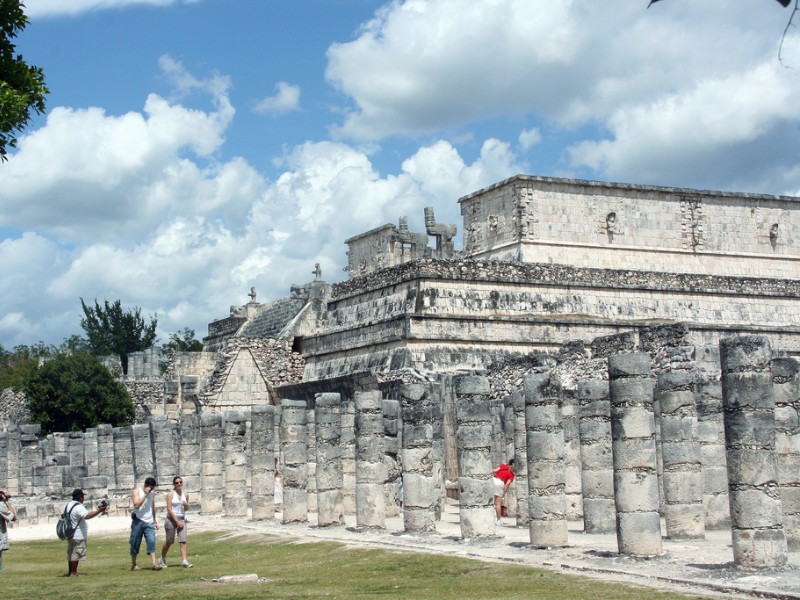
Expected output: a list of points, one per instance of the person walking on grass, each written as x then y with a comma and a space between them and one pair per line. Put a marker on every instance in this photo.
175, 523
78, 515
143, 522
7, 514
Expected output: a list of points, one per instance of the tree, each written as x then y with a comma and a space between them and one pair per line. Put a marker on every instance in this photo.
183, 341
16, 366
22, 86
112, 330
72, 392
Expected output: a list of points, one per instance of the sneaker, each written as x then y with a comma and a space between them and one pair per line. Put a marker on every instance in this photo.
135, 568
186, 564
157, 567
499, 522
162, 563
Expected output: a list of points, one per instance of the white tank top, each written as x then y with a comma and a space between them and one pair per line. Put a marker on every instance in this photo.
145, 511
177, 504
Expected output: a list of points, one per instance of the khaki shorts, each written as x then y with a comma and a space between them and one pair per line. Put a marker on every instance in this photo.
76, 550
170, 530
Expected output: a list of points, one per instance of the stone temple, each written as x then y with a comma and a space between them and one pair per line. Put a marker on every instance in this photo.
579, 321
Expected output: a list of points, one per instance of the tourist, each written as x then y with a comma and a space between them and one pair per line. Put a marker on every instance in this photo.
143, 522
78, 514
7, 514
177, 500
503, 476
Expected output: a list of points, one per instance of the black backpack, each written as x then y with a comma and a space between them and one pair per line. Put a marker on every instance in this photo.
64, 528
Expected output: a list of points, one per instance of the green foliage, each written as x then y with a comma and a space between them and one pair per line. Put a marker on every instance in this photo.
72, 392
183, 341
22, 86
17, 366
112, 330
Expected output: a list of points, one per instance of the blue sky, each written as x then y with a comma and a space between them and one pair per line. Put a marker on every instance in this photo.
193, 149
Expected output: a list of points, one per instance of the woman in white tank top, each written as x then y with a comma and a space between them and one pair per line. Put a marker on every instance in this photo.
175, 523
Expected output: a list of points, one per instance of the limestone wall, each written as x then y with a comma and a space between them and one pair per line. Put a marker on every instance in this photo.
609, 225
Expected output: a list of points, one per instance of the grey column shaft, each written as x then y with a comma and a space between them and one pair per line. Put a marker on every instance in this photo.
294, 446
547, 501
711, 434
235, 458
520, 484
419, 490
473, 436
262, 461
165, 449
633, 434
329, 474
190, 457
143, 462
597, 465
570, 414
391, 424
680, 456
747, 396
211, 469
311, 464
370, 467
105, 452
123, 459
348, 443
786, 382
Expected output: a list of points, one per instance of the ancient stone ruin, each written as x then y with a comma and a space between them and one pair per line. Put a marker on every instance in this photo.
634, 348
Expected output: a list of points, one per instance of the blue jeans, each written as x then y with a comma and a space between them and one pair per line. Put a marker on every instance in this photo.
139, 529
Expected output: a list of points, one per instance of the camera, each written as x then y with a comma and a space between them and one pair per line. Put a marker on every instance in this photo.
103, 504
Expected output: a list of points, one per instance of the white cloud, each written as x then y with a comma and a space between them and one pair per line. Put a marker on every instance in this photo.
46, 8
528, 138
286, 99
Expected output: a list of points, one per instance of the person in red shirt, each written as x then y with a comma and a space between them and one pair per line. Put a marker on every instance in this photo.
503, 476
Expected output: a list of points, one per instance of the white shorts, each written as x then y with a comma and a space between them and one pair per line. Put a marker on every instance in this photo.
499, 486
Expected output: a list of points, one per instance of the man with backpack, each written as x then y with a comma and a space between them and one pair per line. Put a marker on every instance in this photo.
78, 514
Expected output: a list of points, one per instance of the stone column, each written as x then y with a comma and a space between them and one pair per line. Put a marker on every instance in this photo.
143, 463
328, 414
633, 435
105, 453
190, 458
294, 434
262, 461
570, 413
234, 450
91, 455
30, 457
370, 468
786, 383
211, 467
597, 472
680, 456
123, 459
547, 475
509, 427
165, 450
348, 442
12, 483
311, 465
520, 484
75, 448
391, 489
4, 456
711, 435
747, 396
438, 448
419, 490
473, 438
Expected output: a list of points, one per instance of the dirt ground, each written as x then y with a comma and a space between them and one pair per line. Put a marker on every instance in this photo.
701, 567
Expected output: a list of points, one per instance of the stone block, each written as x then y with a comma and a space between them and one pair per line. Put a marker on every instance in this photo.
636, 491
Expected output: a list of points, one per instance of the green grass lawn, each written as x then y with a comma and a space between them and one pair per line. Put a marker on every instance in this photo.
290, 570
